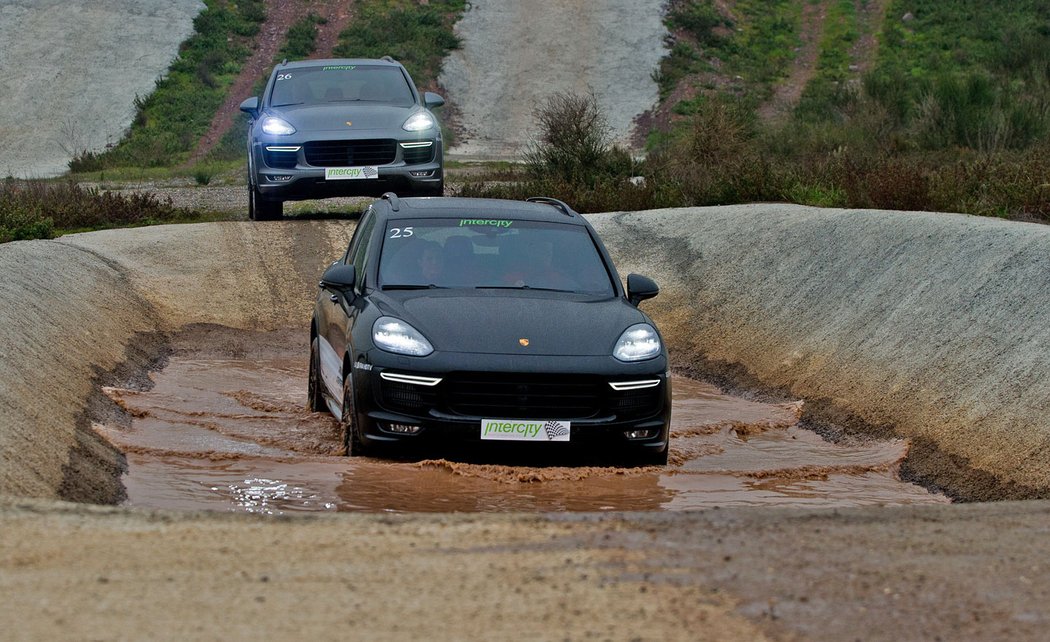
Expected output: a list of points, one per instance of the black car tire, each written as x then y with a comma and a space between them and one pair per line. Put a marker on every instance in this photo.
315, 396
351, 431
266, 210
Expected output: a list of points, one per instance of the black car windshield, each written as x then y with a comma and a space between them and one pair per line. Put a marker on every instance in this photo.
491, 253
325, 84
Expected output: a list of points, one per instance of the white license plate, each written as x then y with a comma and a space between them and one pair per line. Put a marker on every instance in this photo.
524, 430
350, 173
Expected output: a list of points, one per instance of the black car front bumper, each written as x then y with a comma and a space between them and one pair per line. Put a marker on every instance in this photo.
601, 417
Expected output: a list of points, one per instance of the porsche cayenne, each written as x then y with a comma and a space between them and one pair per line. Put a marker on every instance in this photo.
344, 127
458, 320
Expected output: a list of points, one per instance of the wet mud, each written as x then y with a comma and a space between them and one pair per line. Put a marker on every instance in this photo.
224, 427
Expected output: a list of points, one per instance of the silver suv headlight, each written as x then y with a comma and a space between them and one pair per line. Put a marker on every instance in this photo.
275, 126
637, 343
418, 121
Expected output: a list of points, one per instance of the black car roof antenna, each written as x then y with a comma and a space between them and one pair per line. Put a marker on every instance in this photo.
546, 200
395, 202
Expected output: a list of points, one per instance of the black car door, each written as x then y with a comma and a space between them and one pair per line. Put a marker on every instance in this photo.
341, 307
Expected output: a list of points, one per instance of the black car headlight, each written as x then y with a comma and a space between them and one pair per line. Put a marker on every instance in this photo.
637, 343
394, 335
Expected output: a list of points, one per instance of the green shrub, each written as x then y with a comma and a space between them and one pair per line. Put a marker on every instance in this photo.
573, 143
419, 36
36, 209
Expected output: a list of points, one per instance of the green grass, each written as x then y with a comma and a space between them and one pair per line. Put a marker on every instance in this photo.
419, 36
45, 209
169, 122
826, 91
756, 44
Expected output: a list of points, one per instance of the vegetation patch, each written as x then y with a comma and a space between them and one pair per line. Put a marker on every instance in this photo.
169, 122
418, 35
44, 209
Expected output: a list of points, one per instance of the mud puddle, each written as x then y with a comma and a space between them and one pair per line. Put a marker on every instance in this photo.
225, 428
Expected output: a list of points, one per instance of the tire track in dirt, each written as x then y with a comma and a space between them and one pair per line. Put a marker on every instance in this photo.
787, 94
279, 17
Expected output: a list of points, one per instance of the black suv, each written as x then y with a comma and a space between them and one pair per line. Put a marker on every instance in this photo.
346, 127
477, 320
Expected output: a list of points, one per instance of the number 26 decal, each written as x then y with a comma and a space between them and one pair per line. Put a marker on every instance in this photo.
400, 233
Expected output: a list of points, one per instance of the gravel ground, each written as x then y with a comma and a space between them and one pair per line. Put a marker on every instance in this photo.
72, 70
517, 52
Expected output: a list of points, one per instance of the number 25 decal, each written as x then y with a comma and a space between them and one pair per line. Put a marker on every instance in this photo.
399, 233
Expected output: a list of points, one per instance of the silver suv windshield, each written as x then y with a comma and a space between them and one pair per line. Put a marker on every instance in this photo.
345, 84
491, 253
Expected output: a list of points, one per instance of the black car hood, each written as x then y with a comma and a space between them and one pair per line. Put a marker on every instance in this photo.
335, 116
498, 322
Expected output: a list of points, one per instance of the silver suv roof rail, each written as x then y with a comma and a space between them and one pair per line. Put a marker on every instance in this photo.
546, 200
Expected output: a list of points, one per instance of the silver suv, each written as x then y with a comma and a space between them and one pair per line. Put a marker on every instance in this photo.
344, 127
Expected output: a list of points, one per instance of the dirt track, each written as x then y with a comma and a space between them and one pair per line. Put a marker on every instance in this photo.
516, 53
754, 286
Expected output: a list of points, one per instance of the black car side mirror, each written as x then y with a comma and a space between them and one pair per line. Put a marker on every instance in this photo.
251, 106
339, 277
431, 100
640, 288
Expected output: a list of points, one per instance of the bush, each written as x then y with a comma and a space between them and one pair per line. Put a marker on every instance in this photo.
573, 142
36, 209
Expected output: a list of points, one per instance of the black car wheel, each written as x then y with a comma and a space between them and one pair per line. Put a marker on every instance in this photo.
251, 202
265, 210
316, 398
351, 431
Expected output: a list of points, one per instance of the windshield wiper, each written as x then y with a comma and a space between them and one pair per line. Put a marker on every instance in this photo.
522, 287
415, 286
287, 104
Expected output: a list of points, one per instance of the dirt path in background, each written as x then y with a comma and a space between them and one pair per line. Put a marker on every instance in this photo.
789, 92
280, 16
870, 14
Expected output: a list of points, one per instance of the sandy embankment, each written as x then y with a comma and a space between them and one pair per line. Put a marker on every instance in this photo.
926, 324
517, 53
70, 70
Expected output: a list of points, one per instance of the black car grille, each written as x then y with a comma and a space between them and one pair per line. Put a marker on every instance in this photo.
407, 398
521, 396
417, 155
349, 153
517, 396
630, 404
280, 160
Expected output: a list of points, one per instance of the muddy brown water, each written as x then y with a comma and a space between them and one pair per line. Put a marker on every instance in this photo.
224, 427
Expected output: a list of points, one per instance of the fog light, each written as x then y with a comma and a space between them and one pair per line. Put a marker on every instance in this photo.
639, 434
279, 179
404, 429
422, 173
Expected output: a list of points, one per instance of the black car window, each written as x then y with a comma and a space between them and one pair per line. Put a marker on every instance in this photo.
358, 252
491, 253
326, 84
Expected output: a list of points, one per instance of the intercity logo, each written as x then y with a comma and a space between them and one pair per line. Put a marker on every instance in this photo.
482, 221
518, 430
